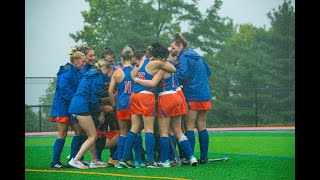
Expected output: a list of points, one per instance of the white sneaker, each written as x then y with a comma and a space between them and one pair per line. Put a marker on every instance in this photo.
165, 164
193, 161
98, 164
77, 164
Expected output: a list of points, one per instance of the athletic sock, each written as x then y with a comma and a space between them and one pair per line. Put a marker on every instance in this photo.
204, 143
115, 154
137, 147
130, 139
164, 146
75, 146
181, 153
171, 150
149, 143
191, 137
121, 144
57, 149
186, 146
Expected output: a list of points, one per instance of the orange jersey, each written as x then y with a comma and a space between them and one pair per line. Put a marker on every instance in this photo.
124, 114
169, 104
199, 105
143, 103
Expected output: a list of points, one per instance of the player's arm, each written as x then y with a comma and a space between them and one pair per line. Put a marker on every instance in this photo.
111, 89
151, 83
168, 67
134, 71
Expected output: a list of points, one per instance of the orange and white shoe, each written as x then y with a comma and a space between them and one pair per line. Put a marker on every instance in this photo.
77, 164
98, 164
113, 162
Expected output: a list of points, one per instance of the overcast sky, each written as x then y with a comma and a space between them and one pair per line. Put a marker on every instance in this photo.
48, 24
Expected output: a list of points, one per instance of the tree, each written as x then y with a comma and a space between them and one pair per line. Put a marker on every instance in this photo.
254, 74
115, 23
211, 31
31, 120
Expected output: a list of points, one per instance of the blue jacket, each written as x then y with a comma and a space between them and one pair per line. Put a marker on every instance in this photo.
88, 96
85, 69
66, 86
192, 73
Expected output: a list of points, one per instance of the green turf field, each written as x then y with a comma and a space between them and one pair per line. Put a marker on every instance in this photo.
253, 155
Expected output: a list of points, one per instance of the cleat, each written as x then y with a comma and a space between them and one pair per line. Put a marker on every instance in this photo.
77, 164
58, 165
193, 161
140, 165
84, 162
98, 164
185, 161
126, 164
172, 163
112, 162
152, 165
165, 164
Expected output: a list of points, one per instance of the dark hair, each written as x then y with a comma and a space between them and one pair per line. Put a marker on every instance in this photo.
159, 51
107, 51
139, 54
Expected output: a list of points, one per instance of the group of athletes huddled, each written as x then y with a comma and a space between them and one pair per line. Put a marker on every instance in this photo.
163, 92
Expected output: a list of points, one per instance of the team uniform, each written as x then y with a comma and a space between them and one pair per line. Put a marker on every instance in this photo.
170, 104
124, 93
142, 102
192, 73
66, 86
123, 103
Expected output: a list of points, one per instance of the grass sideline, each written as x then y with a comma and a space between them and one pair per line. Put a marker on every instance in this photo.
253, 155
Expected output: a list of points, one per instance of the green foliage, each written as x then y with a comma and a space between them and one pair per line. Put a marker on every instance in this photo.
116, 23
210, 31
31, 120
254, 74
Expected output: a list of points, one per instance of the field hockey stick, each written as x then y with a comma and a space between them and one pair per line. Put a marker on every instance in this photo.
219, 159
177, 158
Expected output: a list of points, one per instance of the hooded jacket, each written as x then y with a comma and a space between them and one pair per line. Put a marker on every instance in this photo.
66, 86
88, 96
192, 73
